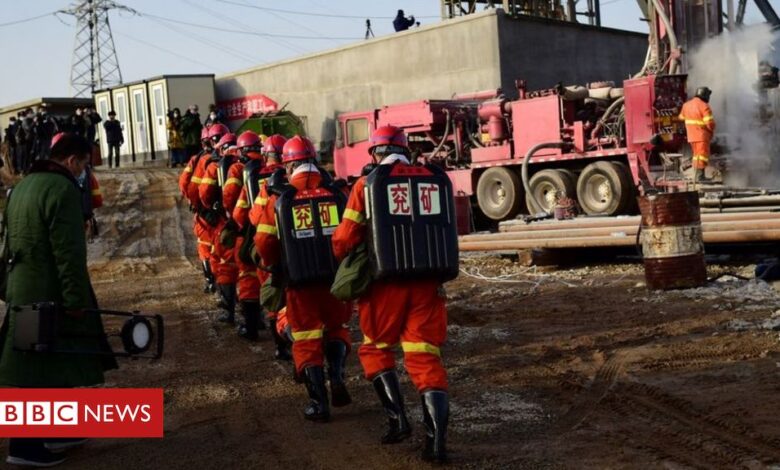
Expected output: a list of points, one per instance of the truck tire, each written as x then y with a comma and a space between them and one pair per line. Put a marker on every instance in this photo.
499, 193
629, 205
544, 185
604, 188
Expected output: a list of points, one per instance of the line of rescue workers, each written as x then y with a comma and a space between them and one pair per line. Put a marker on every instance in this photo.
272, 227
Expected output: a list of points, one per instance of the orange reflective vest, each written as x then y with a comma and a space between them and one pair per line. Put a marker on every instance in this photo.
699, 123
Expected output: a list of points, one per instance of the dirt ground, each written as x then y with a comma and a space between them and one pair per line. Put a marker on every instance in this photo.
572, 368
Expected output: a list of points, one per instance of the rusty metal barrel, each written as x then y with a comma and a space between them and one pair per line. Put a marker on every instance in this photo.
671, 239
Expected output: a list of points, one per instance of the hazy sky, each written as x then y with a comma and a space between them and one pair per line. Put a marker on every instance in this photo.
37, 54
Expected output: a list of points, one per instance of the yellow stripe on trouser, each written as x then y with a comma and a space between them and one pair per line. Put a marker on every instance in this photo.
701, 158
308, 334
367, 340
233, 181
208, 181
420, 348
196, 180
261, 201
242, 204
265, 228
354, 216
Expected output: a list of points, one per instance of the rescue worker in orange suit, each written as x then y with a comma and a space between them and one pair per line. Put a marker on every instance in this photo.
210, 191
317, 319
234, 199
189, 183
399, 310
255, 196
699, 127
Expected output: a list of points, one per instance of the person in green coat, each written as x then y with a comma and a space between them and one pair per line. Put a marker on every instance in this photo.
48, 263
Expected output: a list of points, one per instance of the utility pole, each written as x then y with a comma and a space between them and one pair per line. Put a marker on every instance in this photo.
94, 64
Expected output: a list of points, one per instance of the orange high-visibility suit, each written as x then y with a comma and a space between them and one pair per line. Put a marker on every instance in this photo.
189, 184
95, 194
222, 262
235, 203
411, 313
259, 206
312, 312
699, 127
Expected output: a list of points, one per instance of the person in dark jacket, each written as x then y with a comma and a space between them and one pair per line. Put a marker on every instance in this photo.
189, 128
216, 116
92, 120
47, 242
10, 139
45, 128
78, 125
114, 138
401, 22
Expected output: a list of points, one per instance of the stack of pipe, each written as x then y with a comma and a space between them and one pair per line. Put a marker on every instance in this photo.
587, 232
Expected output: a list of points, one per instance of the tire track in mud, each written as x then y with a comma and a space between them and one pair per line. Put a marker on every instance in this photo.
678, 417
590, 398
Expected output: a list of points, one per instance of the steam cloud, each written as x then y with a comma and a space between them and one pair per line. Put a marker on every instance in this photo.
728, 64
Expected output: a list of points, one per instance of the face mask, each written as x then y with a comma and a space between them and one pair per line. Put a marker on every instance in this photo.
213, 115
175, 114
82, 178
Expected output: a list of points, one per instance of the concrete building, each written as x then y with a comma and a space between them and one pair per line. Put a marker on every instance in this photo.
475, 52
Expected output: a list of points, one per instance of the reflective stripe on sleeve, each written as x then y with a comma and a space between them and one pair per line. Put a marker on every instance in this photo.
420, 348
209, 181
269, 229
242, 204
261, 201
233, 181
196, 180
354, 216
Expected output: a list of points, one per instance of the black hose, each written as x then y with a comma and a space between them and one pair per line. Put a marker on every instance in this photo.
527, 160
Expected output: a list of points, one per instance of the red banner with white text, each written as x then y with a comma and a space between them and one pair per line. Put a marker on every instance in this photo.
242, 108
81, 412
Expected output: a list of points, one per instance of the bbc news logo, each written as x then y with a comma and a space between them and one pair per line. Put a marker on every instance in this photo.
107, 412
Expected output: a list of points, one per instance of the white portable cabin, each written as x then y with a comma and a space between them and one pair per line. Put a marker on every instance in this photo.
142, 108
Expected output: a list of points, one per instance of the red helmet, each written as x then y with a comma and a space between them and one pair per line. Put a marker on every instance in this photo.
298, 148
227, 139
274, 145
388, 135
57, 137
204, 133
248, 139
217, 131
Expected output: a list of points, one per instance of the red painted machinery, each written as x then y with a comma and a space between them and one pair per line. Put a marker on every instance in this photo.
600, 145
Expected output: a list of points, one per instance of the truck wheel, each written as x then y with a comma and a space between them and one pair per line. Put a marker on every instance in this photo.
604, 188
544, 186
629, 205
499, 193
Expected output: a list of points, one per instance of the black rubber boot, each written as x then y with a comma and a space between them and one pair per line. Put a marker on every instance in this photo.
436, 415
317, 409
701, 177
282, 352
389, 391
210, 286
251, 313
31, 453
227, 293
336, 354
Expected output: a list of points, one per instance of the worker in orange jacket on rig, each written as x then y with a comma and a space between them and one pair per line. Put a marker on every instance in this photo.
699, 127
317, 319
404, 310
210, 191
189, 183
251, 202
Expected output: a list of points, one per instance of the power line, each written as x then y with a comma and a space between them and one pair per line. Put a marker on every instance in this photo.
251, 33
324, 15
214, 45
285, 44
27, 20
158, 47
